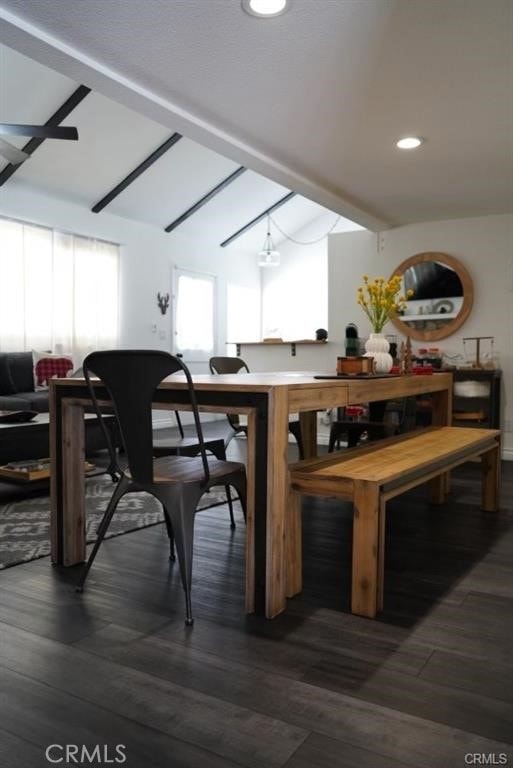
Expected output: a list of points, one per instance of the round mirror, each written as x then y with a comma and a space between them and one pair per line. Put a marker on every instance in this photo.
442, 296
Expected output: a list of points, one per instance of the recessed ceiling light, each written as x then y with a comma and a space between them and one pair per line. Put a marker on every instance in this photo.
409, 142
264, 8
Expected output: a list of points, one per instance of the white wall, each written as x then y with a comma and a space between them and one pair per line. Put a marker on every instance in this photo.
484, 245
295, 294
147, 257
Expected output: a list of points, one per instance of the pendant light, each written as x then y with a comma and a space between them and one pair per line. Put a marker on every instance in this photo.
268, 256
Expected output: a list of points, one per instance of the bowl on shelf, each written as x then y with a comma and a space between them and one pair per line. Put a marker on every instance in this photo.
471, 388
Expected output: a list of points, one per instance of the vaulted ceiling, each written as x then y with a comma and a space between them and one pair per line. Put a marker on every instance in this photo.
113, 141
314, 100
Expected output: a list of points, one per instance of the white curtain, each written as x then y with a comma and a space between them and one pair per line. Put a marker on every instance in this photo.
58, 291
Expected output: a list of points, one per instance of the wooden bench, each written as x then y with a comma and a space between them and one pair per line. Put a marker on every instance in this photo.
369, 476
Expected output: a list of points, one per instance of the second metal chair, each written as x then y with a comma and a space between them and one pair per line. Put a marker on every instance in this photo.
236, 365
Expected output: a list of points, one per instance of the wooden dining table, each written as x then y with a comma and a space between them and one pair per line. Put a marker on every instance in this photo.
267, 399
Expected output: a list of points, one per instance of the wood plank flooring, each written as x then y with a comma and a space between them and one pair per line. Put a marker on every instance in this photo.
425, 684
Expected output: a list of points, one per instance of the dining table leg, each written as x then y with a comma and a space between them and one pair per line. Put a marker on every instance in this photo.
441, 416
277, 494
308, 422
250, 512
68, 540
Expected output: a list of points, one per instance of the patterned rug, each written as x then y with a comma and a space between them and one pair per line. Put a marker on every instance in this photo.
25, 524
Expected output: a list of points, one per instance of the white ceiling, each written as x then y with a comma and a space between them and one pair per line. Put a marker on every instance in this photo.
313, 99
113, 140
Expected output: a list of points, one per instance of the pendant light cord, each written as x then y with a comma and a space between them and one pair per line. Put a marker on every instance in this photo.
305, 242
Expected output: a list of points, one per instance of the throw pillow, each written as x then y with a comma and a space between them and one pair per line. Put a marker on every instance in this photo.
6, 382
48, 366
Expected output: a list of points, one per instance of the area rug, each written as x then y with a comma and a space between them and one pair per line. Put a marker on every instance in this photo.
25, 524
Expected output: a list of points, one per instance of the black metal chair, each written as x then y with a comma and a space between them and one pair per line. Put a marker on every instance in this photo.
392, 417
130, 378
235, 365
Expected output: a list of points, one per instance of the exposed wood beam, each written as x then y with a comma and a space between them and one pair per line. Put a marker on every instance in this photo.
213, 192
136, 172
257, 219
61, 114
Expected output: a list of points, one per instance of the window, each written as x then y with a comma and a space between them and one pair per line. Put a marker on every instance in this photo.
56, 290
194, 315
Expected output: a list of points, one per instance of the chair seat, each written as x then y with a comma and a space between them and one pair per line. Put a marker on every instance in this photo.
185, 469
398, 417
354, 411
353, 431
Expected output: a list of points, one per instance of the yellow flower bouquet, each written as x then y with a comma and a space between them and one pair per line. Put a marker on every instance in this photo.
380, 299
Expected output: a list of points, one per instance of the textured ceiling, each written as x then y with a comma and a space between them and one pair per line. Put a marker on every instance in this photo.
314, 98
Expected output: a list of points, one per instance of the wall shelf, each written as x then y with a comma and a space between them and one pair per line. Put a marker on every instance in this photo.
420, 318
275, 343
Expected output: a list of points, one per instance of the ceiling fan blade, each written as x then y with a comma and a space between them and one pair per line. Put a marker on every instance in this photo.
12, 154
39, 131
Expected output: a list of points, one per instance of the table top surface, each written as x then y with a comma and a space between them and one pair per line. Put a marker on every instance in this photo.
292, 380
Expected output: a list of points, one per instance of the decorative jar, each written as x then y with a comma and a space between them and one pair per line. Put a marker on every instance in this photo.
377, 347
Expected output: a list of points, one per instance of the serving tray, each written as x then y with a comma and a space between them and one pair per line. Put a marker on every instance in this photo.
27, 471
16, 417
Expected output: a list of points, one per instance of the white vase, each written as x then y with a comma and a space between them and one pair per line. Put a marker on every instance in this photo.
377, 347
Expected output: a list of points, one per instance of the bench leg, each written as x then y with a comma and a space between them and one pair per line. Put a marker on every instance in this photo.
293, 546
441, 416
490, 486
438, 488
366, 534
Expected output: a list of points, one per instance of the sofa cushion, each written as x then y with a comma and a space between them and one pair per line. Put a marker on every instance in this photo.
15, 403
6, 383
38, 401
49, 366
22, 372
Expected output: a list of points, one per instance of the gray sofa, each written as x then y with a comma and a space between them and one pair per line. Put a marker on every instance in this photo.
17, 394
17, 384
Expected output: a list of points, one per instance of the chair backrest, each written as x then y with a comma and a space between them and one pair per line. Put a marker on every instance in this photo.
227, 365
131, 377
401, 414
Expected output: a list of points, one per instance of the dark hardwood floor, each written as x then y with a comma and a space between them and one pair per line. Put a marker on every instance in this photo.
424, 686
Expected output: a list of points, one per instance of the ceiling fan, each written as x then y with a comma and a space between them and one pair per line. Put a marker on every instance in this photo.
17, 156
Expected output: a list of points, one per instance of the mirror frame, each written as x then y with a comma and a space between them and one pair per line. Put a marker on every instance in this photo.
468, 297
